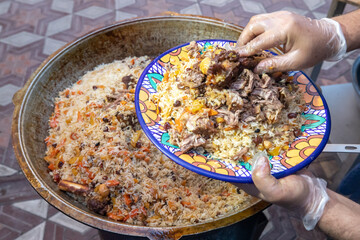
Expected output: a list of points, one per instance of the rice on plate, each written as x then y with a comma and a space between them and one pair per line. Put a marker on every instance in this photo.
213, 103
97, 152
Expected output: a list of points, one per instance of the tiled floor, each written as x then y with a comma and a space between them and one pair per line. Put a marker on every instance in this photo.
30, 30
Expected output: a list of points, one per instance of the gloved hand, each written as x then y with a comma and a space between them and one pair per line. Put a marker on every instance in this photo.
302, 193
306, 41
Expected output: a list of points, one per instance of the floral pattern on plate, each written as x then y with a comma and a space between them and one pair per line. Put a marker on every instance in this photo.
301, 152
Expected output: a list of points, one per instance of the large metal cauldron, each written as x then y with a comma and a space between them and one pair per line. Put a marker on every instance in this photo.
34, 104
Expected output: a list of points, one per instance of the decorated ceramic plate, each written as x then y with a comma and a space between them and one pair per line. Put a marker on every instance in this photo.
301, 152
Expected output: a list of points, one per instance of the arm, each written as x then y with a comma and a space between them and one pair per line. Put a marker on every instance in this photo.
336, 215
305, 41
341, 217
350, 25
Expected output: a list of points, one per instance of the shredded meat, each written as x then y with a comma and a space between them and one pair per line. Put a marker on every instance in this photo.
265, 81
235, 93
241, 153
234, 101
191, 141
226, 63
193, 49
129, 81
193, 79
231, 119
201, 124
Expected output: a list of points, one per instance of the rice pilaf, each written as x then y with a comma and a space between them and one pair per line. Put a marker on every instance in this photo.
214, 103
97, 152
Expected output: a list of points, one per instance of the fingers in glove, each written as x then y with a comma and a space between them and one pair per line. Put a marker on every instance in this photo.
281, 63
263, 41
254, 28
267, 185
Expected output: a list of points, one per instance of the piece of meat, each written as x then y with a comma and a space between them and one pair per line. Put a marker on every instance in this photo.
257, 109
245, 82
127, 119
128, 81
241, 153
99, 204
251, 78
226, 64
265, 81
238, 84
73, 187
231, 73
193, 49
193, 79
231, 119
249, 62
248, 119
266, 94
285, 95
200, 124
234, 101
191, 141
272, 110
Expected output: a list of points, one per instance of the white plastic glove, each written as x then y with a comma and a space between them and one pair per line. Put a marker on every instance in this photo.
306, 41
301, 193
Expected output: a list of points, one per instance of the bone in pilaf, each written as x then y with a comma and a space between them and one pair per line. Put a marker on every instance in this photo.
213, 102
98, 153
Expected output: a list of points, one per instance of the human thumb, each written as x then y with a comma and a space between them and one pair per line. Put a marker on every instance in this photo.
262, 178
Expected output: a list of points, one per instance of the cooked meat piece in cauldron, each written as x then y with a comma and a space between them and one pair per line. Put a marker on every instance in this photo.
98, 204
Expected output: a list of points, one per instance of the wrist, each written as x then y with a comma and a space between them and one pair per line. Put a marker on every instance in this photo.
337, 42
315, 203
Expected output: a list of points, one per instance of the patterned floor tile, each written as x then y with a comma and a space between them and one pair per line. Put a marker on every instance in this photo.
314, 4
67, 222
217, 3
192, 9
4, 7
93, 12
65, 6
6, 171
37, 207
123, 3
21, 39
252, 7
51, 45
120, 15
6, 93
59, 25
33, 234
5, 130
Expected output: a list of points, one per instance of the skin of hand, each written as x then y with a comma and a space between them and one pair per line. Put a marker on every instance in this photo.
290, 192
350, 25
305, 41
340, 218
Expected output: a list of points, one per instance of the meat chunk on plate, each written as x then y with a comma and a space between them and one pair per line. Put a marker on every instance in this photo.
234, 101
231, 119
241, 153
245, 82
191, 141
200, 124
